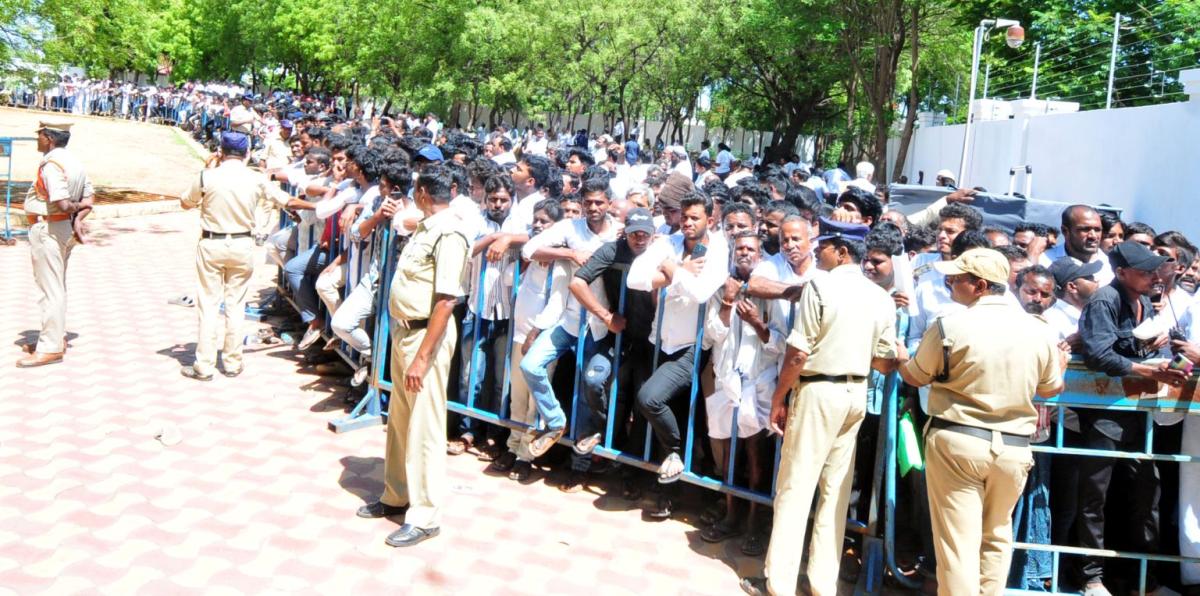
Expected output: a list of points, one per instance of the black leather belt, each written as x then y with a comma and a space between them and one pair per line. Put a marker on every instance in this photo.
979, 433
221, 235
412, 325
831, 379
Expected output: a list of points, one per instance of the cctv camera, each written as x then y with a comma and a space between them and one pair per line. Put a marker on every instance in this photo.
1015, 36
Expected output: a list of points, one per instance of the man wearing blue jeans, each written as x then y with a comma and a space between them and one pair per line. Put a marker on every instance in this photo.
546, 350
572, 243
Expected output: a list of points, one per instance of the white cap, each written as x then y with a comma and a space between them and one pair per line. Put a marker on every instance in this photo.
947, 174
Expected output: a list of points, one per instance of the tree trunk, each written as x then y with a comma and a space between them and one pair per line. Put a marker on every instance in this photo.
910, 118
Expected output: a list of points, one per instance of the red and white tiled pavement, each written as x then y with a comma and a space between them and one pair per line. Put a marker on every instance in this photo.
257, 496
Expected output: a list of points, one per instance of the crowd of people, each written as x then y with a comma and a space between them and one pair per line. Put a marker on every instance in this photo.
714, 303
703, 276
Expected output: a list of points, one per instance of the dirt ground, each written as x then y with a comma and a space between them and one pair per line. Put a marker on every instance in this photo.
117, 153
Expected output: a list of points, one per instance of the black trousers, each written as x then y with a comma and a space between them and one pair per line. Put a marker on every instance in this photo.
1138, 479
672, 379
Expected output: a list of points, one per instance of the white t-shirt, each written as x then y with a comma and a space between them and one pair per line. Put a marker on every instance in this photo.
576, 235
779, 312
687, 294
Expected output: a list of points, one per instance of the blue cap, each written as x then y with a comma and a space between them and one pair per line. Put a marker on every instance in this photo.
286, 124
430, 153
235, 142
837, 229
248, 97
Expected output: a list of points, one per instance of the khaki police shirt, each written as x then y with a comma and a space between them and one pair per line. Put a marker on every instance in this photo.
228, 195
277, 153
1000, 356
63, 178
842, 321
433, 262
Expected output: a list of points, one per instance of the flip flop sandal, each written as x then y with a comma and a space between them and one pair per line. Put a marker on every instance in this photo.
669, 478
719, 532
754, 545
457, 446
543, 440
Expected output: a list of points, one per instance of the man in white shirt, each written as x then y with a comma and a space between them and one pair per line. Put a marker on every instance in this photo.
242, 118
1082, 230
569, 244
738, 171
864, 171
679, 161
1074, 284
537, 143
930, 294
745, 365
688, 267
539, 306
724, 161
486, 324
781, 277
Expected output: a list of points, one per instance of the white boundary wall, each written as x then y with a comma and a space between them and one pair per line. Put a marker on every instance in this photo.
741, 141
1145, 160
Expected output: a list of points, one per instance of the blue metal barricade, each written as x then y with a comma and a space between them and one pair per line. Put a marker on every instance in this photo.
1088, 389
371, 410
7, 146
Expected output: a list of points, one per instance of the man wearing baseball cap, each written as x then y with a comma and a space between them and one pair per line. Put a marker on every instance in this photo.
1074, 285
609, 264
844, 328
985, 364
1108, 345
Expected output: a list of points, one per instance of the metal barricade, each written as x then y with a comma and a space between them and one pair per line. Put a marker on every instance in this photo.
371, 410
1089, 389
7, 146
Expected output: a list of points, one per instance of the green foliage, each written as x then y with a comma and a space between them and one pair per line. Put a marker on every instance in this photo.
840, 70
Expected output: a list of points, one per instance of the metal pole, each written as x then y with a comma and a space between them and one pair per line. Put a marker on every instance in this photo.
1037, 61
957, 85
987, 79
1112, 59
976, 49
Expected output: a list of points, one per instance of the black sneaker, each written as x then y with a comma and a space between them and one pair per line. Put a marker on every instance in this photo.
378, 509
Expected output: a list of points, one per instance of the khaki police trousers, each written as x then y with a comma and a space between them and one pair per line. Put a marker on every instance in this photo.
414, 468
50, 245
224, 268
973, 486
818, 455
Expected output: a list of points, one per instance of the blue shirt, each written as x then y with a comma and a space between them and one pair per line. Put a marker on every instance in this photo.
631, 152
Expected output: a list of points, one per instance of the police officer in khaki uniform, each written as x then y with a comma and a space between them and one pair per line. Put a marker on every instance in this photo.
845, 326
228, 197
429, 280
985, 364
62, 189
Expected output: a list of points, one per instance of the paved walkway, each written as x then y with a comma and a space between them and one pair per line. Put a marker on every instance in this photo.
258, 497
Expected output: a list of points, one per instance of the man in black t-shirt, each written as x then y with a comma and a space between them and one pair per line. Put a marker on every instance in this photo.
633, 321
